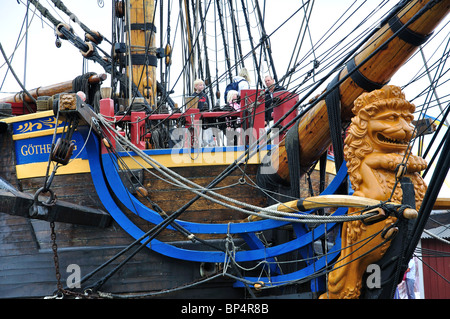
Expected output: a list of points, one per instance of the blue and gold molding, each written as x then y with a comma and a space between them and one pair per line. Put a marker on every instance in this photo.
32, 137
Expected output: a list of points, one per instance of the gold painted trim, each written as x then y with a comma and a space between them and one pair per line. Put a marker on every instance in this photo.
37, 133
40, 169
28, 117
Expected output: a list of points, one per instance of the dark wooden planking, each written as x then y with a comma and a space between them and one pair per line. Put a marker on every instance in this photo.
27, 269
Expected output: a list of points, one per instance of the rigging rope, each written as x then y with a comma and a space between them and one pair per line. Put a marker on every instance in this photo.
363, 62
93, 36
17, 78
199, 190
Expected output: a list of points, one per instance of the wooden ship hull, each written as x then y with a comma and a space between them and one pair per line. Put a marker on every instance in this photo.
88, 235
107, 204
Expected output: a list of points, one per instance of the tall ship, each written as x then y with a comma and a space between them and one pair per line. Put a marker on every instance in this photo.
192, 165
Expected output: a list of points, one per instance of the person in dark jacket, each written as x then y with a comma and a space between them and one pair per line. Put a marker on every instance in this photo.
271, 87
203, 104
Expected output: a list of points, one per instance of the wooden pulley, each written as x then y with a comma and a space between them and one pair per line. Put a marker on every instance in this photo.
106, 142
62, 25
168, 53
141, 191
389, 232
63, 151
90, 50
168, 60
168, 50
380, 215
120, 9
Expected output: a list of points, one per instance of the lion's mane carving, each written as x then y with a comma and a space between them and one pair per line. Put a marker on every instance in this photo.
376, 144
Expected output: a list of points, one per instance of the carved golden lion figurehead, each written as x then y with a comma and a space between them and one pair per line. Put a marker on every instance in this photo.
382, 124
376, 147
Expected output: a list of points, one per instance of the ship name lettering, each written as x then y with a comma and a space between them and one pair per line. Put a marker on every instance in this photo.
36, 149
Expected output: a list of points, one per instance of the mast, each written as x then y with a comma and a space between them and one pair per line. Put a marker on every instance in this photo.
314, 128
141, 38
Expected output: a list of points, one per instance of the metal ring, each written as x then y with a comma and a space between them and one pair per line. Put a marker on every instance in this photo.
51, 201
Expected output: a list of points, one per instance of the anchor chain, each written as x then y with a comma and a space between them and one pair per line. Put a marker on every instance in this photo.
60, 289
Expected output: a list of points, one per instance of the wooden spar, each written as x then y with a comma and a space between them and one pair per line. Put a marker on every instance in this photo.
324, 201
141, 38
314, 129
50, 90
